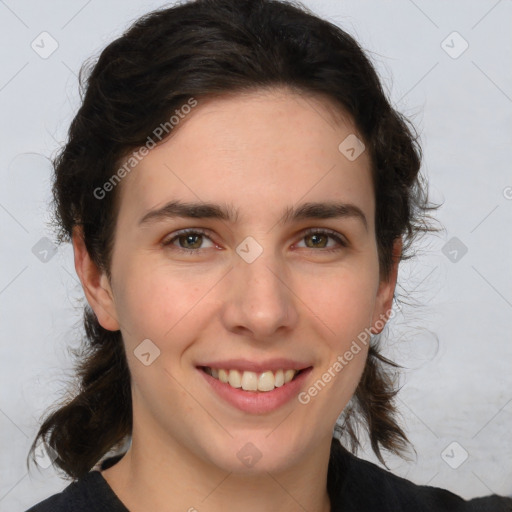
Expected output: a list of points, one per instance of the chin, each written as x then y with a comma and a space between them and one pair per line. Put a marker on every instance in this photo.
254, 454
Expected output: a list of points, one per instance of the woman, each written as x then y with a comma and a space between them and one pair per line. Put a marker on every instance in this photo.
239, 194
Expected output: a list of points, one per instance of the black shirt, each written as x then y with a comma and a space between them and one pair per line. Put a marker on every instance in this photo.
354, 485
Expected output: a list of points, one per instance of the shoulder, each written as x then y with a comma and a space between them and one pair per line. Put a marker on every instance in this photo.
73, 497
364, 486
91, 493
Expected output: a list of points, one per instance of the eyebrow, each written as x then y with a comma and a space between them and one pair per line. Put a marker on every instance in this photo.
203, 210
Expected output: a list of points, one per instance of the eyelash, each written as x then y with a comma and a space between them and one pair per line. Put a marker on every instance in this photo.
198, 231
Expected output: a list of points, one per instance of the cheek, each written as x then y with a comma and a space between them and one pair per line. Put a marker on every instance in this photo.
156, 302
343, 302
161, 306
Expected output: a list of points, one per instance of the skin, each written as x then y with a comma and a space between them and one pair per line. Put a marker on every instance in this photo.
260, 152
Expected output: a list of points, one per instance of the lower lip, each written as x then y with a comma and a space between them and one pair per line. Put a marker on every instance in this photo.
257, 402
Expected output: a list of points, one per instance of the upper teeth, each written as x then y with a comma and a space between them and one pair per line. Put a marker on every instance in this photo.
252, 381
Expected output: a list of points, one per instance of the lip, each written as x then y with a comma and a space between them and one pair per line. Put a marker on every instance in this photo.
260, 367
254, 402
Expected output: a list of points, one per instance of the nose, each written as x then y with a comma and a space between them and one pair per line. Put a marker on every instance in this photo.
260, 301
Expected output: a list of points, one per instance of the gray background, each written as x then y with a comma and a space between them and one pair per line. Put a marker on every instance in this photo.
454, 338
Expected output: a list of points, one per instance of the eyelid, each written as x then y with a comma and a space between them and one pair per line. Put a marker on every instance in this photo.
171, 237
341, 239
335, 235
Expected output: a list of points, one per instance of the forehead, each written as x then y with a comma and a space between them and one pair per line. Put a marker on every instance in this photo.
254, 150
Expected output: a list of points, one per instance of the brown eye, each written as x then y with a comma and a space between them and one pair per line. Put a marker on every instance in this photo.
319, 239
188, 241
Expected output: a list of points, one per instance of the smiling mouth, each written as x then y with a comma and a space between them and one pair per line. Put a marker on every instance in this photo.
252, 381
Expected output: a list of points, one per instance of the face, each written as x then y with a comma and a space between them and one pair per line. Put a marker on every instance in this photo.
259, 282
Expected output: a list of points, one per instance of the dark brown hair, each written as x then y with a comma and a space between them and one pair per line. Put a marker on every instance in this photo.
201, 49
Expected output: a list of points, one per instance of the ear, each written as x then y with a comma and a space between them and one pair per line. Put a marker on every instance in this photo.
95, 283
386, 291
